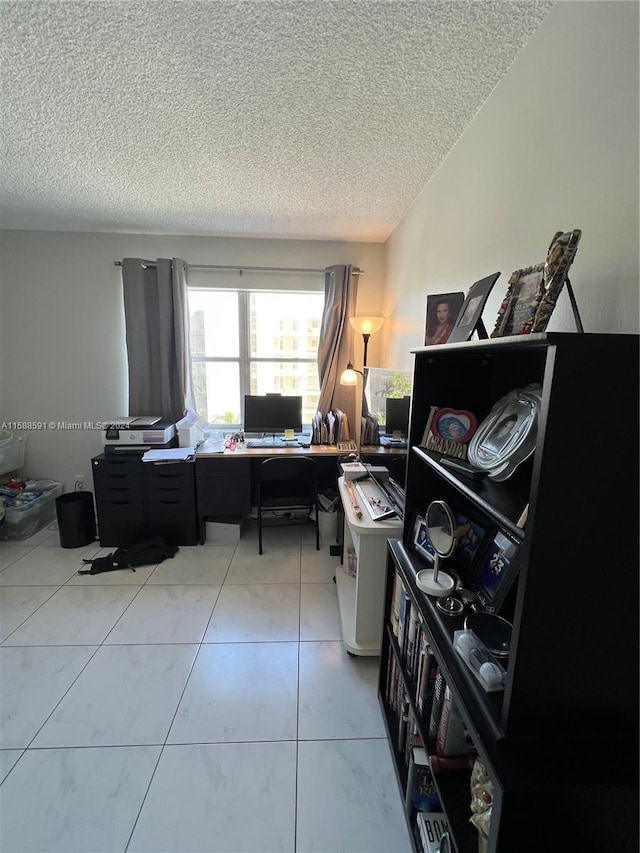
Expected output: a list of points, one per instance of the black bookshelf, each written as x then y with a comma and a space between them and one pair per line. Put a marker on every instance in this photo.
561, 740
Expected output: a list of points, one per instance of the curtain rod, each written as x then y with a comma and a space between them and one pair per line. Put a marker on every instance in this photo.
240, 270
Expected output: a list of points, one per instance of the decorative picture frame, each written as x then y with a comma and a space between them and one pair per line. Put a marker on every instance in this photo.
507, 436
469, 319
518, 309
562, 251
471, 537
495, 572
454, 424
421, 539
448, 431
442, 312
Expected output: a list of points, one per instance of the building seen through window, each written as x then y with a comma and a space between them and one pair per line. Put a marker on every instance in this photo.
253, 342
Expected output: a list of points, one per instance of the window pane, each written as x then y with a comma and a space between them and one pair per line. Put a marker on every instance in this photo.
285, 325
214, 323
288, 378
216, 387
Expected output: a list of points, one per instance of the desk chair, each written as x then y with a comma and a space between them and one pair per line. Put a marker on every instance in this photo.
286, 484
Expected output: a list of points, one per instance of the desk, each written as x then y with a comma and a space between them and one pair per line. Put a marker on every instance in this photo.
136, 499
226, 482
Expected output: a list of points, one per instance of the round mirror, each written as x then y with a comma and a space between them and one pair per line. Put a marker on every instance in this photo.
441, 530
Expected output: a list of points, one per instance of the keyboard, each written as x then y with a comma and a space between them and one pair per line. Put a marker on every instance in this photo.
255, 443
387, 441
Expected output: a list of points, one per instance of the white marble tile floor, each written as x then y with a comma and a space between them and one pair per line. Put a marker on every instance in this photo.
204, 704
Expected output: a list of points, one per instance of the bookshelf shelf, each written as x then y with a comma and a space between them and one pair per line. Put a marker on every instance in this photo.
560, 742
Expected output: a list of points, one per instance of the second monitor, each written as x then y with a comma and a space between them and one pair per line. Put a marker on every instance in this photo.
397, 420
272, 413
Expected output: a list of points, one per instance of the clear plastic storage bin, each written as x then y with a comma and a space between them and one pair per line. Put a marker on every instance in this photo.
21, 522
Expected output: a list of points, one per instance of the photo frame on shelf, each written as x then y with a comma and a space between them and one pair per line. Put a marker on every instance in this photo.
521, 301
421, 539
507, 436
448, 431
562, 251
442, 312
470, 535
495, 572
469, 320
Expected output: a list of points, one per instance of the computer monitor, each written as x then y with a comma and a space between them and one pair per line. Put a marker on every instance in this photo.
272, 413
397, 417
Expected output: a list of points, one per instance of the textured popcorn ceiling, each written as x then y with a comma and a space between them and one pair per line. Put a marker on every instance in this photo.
316, 119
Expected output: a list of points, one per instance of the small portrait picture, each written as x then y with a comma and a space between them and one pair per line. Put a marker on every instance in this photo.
442, 313
456, 425
470, 316
470, 536
421, 539
470, 311
502, 433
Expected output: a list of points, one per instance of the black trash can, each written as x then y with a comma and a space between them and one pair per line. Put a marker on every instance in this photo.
76, 519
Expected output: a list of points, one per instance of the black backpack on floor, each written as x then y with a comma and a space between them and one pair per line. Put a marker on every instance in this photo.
145, 553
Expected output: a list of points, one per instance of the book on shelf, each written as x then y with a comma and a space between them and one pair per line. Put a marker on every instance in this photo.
413, 737
403, 717
421, 793
396, 604
431, 827
436, 707
412, 637
426, 685
405, 605
452, 738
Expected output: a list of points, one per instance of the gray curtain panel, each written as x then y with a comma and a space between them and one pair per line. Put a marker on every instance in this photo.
157, 337
336, 341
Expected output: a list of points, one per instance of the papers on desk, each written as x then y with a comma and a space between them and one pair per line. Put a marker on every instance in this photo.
375, 500
174, 454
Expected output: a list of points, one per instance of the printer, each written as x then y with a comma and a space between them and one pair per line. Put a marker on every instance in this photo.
138, 432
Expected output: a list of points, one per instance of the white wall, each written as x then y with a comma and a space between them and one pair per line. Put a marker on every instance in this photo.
554, 148
62, 343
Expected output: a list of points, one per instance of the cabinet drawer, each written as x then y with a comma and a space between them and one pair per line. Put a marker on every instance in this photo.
175, 521
115, 464
181, 483
121, 522
119, 488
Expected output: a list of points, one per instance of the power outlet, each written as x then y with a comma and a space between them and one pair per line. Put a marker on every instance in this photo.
79, 483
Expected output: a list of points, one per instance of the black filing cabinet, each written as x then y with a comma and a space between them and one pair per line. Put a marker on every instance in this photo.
118, 483
136, 499
171, 501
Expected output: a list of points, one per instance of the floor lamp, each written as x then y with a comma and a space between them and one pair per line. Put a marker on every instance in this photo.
367, 326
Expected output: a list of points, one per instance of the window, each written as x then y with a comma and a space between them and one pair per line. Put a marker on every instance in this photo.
253, 342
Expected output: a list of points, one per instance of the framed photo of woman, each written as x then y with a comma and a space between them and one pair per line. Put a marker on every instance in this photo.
442, 312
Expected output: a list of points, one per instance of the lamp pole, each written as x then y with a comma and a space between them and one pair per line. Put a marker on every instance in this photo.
365, 338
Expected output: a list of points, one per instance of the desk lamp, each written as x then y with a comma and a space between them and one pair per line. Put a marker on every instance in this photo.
367, 326
349, 376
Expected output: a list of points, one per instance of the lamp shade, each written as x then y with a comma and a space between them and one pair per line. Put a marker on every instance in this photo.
349, 376
366, 325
